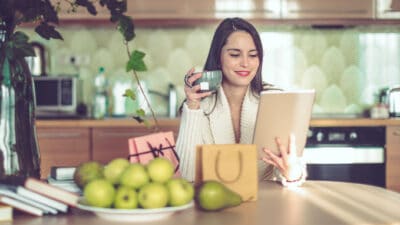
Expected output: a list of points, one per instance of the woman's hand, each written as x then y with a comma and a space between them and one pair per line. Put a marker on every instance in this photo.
287, 162
193, 96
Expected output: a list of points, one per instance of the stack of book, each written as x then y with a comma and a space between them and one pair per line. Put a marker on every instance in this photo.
35, 197
63, 177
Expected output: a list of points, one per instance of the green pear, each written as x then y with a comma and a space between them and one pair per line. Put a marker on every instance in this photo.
160, 170
99, 193
153, 195
181, 192
125, 198
135, 176
86, 172
213, 195
114, 169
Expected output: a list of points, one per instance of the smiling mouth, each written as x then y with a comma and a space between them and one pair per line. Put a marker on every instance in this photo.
243, 73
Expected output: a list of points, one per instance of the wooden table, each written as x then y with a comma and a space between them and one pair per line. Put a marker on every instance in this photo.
316, 202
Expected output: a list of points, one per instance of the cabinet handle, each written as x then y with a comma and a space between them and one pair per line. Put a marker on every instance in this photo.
60, 135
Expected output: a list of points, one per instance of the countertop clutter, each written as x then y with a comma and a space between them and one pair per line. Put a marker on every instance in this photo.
127, 122
316, 202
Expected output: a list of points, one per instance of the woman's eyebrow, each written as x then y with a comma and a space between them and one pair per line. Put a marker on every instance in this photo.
233, 49
238, 50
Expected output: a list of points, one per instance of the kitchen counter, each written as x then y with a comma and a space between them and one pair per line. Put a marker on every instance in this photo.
316, 202
127, 122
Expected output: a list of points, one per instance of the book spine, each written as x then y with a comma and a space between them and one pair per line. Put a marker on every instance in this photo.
42, 199
51, 191
6, 213
21, 206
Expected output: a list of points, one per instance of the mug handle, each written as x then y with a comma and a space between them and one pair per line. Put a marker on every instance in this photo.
186, 79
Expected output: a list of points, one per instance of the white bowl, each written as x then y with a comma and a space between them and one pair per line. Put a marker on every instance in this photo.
134, 215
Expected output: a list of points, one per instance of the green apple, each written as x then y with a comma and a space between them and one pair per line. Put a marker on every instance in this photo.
135, 176
87, 172
126, 198
160, 169
153, 195
113, 170
99, 193
181, 192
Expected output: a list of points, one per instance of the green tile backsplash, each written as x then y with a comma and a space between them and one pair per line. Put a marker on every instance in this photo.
346, 66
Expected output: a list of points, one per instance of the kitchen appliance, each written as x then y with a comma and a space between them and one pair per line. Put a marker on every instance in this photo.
393, 98
57, 96
352, 154
37, 64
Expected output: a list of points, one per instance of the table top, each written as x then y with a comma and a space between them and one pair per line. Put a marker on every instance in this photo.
316, 202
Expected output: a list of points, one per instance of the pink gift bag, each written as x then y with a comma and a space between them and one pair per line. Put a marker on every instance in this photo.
162, 144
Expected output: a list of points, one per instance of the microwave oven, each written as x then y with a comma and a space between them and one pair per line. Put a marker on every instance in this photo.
57, 96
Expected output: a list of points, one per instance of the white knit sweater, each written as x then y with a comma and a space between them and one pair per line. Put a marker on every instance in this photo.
197, 128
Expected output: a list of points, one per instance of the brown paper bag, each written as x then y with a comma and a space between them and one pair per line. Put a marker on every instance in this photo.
235, 165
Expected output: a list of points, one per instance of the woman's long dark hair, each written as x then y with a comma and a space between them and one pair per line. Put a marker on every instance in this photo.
223, 31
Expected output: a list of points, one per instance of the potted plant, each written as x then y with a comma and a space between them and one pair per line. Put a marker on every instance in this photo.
19, 154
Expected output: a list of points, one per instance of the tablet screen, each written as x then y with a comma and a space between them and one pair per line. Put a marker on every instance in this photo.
281, 113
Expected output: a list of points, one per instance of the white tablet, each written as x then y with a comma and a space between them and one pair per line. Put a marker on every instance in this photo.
281, 113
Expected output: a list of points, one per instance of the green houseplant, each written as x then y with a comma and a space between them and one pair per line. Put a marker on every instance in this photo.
19, 154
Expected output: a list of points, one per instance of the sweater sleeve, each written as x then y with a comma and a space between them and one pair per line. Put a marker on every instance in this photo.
190, 135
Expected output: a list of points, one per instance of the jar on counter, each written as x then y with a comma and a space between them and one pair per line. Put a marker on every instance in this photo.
101, 101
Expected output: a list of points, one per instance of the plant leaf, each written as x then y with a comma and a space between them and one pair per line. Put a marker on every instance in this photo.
136, 62
126, 27
18, 46
6, 72
130, 94
48, 31
140, 117
88, 5
140, 112
49, 12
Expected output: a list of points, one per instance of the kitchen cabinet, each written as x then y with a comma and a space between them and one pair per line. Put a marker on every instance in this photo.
388, 9
233, 8
156, 9
66, 12
62, 147
109, 143
338, 9
393, 158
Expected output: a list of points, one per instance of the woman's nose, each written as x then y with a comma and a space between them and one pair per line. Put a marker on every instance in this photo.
244, 61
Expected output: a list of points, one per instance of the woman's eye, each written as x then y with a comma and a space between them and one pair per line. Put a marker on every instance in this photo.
254, 56
234, 55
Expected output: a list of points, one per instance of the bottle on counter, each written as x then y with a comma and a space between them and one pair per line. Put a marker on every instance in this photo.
101, 101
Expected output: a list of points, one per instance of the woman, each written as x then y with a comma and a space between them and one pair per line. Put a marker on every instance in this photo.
228, 115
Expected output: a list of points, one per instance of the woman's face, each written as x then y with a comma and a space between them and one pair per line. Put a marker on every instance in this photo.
239, 59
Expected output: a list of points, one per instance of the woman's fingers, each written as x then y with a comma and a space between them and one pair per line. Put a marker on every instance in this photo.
269, 161
282, 149
277, 161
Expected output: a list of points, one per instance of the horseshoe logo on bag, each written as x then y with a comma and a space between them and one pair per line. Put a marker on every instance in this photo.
240, 159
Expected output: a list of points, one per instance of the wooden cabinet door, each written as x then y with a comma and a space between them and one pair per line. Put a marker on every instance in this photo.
393, 157
62, 147
253, 9
155, 9
388, 9
338, 9
110, 143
